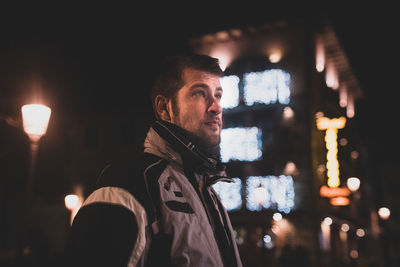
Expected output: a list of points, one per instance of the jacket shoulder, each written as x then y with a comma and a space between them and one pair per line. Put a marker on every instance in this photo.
135, 175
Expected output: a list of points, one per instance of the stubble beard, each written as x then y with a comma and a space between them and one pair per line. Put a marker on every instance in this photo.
202, 136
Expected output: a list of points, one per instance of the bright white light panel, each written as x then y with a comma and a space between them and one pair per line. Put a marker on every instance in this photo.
229, 193
230, 96
266, 87
241, 143
280, 192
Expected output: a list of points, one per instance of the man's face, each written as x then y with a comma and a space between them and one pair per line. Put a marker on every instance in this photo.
198, 107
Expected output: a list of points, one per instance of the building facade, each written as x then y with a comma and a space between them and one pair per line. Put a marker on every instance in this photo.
291, 142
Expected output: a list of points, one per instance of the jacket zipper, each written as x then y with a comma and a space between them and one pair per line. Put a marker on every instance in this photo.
207, 209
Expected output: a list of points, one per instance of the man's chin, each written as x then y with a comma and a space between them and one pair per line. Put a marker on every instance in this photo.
212, 140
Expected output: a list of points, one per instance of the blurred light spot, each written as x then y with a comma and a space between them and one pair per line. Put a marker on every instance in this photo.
345, 227
223, 56
208, 38
339, 201
321, 168
290, 168
230, 194
239, 240
236, 33
332, 165
275, 56
331, 192
384, 213
354, 254
343, 96
27, 250
288, 113
350, 112
269, 245
230, 96
353, 183
319, 55
343, 141
331, 76
239, 143
319, 114
267, 239
266, 87
354, 154
325, 234
261, 195
222, 35
327, 220
324, 123
360, 232
279, 193
275, 229
277, 216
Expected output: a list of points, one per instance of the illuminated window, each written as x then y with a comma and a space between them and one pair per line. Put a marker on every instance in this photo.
243, 144
230, 97
266, 87
230, 194
279, 193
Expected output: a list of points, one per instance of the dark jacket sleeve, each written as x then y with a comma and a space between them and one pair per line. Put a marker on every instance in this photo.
102, 234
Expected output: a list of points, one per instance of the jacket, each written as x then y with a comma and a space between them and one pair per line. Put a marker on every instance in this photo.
159, 210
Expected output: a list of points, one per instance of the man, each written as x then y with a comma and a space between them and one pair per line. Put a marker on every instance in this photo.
160, 209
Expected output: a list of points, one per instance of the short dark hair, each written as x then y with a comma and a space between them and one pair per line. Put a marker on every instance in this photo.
170, 74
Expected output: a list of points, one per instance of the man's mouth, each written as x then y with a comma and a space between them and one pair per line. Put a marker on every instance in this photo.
214, 123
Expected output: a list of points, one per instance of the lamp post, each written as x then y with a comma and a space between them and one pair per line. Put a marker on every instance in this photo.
35, 119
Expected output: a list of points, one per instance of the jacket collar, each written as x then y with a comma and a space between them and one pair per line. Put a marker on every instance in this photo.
173, 143
156, 145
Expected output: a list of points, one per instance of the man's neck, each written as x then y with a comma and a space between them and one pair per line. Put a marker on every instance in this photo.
193, 151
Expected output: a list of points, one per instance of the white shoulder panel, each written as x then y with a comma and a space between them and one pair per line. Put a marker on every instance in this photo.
119, 196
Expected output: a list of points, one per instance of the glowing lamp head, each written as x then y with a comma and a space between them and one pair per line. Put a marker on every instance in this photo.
71, 201
35, 120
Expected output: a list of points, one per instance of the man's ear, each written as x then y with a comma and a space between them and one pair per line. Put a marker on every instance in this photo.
161, 104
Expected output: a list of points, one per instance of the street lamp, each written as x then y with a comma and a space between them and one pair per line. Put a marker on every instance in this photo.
73, 202
35, 119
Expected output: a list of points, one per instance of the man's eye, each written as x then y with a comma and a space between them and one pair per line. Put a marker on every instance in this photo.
200, 93
218, 96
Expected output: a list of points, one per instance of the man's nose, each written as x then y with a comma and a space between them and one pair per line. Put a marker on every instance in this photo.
215, 106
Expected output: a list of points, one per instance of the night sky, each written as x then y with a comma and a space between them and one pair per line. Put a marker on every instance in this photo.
100, 59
